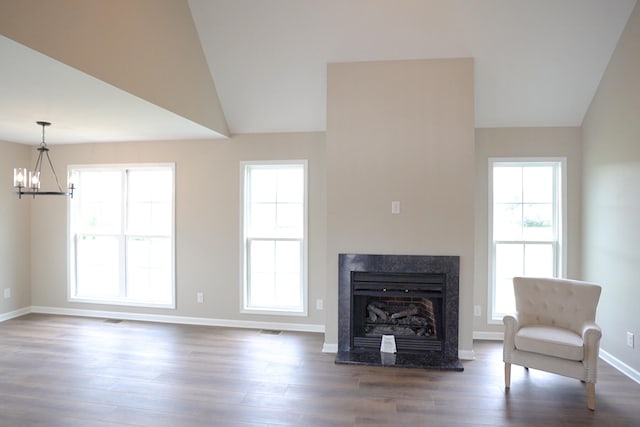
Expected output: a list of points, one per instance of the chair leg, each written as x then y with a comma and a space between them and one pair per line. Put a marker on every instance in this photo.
507, 375
591, 396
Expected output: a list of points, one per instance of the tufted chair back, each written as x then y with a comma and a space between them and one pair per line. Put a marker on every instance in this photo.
555, 302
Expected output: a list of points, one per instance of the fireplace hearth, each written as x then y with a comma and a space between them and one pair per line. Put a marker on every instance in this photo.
412, 297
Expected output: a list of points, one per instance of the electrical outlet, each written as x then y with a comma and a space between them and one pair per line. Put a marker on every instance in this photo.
7, 292
629, 339
319, 304
200, 297
477, 310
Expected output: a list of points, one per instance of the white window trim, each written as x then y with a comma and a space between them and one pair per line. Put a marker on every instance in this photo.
562, 233
243, 242
70, 264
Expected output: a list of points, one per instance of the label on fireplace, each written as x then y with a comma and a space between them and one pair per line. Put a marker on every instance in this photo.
388, 344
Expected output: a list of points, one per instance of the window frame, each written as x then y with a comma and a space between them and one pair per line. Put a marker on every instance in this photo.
122, 238
560, 217
245, 240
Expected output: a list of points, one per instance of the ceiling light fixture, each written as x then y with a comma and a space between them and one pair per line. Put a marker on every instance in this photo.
28, 182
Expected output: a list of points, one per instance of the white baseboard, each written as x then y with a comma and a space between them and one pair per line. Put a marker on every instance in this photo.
329, 348
297, 327
466, 354
620, 365
14, 314
488, 336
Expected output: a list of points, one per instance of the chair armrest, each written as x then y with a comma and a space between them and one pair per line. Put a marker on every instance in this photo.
511, 323
511, 326
591, 334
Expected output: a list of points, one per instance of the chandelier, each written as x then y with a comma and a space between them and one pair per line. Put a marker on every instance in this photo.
28, 182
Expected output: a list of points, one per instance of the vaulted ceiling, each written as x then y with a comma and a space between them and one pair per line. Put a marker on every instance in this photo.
116, 70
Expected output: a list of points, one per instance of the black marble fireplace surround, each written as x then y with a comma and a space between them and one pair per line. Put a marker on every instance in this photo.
406, 279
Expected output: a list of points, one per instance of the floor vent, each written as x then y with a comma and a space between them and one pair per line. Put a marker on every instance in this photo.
270, 332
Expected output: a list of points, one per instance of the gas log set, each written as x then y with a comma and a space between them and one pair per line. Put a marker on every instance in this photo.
386, 319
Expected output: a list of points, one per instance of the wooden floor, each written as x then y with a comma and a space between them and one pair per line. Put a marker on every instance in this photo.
69, 371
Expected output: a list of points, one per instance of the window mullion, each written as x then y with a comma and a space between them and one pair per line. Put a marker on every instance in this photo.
74, 282
522, 204
557, 217
123, 233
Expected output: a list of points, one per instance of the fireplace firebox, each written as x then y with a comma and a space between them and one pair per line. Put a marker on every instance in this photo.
412, 297
405, 305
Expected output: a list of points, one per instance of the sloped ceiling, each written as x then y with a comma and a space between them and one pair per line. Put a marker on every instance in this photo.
537, 62
108, 69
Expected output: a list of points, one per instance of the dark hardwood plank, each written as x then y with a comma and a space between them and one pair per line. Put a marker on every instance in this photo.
73, 371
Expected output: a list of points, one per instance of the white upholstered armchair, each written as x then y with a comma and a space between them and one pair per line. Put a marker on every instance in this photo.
554, 330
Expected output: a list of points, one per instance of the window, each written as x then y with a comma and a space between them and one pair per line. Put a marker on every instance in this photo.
525, 225
274, 238
121, 242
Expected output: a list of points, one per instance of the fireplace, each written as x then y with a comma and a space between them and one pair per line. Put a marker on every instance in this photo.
412, 297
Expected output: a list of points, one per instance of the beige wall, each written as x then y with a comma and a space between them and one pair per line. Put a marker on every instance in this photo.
611, 224
523, 142
15, 231
207, 221
401, 131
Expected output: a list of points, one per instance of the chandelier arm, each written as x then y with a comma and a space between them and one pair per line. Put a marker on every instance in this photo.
37, 168
55, 175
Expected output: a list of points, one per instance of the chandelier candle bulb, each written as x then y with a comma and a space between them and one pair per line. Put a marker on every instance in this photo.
34, 180
19, 177
71, 180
